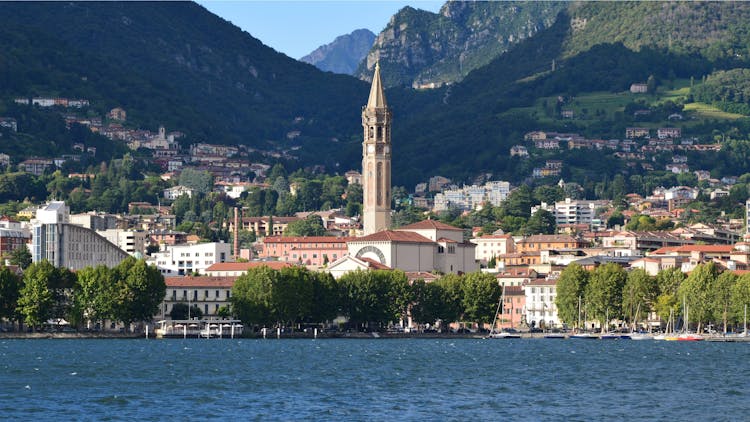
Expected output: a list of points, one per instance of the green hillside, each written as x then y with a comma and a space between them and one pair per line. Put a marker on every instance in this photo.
173, 63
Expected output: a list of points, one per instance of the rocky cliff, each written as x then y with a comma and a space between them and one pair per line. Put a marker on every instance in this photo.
426, 50
343, 54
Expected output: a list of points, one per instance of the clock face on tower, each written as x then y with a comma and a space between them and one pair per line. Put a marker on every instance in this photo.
371, 148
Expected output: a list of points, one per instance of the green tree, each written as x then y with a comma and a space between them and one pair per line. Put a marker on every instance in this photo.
541, 222
94, 295
721, 297
36, 301
21, 257
481, 295
452, 308
140, 290
695, 291
571, 287
428, 302
312, 225
182, 310
251, 296
10, 288
741, 297
638, 295
366, 298
325, 304
291, 294
604, 293
200, 180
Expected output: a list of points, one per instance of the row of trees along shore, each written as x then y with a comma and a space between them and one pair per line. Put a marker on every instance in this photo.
712, 296
370, 299
129, 292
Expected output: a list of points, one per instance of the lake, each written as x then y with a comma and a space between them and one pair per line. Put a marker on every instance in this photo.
410, 379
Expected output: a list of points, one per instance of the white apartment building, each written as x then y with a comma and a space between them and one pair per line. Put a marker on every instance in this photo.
471, 197
571, 211
175, 260
540, 303
67, 245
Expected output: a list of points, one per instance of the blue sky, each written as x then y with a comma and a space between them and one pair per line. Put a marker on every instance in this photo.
296, 28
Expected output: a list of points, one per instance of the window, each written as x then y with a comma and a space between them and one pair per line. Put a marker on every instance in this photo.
217, 294
205, 294
441, 249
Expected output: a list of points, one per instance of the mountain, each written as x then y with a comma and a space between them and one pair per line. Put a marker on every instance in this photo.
175, 63
343, 54
480, 117
420, 48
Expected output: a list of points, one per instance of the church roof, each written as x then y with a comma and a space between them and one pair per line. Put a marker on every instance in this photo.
429, 225
394, 236
377, 97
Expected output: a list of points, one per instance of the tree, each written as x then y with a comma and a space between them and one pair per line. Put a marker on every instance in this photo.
604, 293
251, 296
638, 295
741, 297
696, 292
312, 225
452, 308
36, 301
94, 295
481, 296
21, 257
140, 290
325, 304
200, 181
428, 302
571, 287
721, 296
667, 282
182, 310
291, 294
541, 222
366, 298
10, 287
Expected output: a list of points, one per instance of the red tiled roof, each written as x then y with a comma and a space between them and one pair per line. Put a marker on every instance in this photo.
244, 266
429, 225
446, 240
542, 282
394, 236
306, 239
375, 265
200, 281
695, 248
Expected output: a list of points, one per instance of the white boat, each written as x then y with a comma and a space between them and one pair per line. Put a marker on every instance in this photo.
204, 328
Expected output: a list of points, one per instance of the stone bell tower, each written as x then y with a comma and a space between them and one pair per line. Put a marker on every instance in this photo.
376, 159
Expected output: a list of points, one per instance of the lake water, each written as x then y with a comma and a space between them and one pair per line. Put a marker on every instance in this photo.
408, 379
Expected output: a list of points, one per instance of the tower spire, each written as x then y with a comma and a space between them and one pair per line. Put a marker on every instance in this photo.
377, 97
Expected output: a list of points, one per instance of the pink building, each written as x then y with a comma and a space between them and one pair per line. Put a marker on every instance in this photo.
307, 250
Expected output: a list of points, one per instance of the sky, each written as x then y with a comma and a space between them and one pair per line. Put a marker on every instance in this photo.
298, 27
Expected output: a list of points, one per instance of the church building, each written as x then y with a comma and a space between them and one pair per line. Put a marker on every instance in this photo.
426, 246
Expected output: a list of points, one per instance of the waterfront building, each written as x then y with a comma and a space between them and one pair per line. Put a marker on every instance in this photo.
541, 310
376, 159
67, 245
209, 294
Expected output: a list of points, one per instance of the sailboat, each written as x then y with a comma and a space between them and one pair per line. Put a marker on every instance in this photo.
687, 335
578, 334
501, 334
670, 324
634, 335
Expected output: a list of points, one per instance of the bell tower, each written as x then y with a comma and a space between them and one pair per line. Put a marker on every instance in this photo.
376, 159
